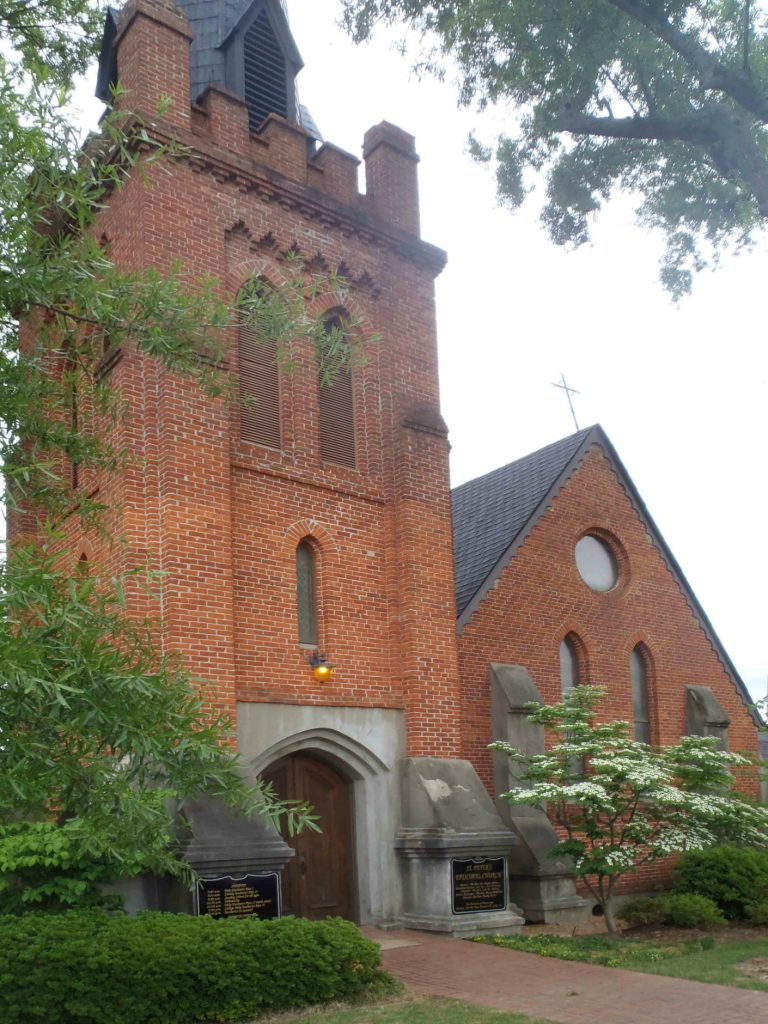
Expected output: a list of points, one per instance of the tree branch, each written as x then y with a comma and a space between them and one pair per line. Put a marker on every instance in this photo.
47, 307
696, 127
728, 141
645, 88
712, 74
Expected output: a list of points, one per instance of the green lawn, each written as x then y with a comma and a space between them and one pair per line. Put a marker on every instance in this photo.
713, 959
420, 1011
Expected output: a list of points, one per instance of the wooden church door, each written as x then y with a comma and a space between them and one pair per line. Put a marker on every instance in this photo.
317, 882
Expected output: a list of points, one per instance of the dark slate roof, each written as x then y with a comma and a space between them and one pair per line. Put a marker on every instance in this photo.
211, 22
490, 511
493, 515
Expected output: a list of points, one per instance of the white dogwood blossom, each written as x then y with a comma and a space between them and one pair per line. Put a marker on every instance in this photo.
618, 803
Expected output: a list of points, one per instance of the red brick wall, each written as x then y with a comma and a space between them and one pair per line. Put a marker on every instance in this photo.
221, 517
540, 597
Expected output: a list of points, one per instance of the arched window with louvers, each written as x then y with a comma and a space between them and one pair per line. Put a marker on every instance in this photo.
259, 378
336, 393
266, 77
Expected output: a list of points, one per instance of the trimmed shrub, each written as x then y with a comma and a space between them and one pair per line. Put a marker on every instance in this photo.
690, 910
679, 909
757, 913
643, 910
734, 877
89, 968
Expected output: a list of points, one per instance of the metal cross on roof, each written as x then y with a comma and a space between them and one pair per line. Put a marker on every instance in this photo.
563, 385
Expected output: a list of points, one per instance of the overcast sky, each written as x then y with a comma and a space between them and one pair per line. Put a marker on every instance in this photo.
681, 392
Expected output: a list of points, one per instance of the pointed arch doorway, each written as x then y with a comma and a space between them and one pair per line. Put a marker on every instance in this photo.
318, 881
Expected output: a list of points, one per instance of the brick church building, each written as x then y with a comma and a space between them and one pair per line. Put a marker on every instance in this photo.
315, 521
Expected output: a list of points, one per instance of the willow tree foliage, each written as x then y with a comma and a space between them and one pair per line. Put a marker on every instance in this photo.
667, 99
102, 740
620, 804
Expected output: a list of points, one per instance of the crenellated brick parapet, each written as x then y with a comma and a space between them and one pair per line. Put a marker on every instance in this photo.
390, 175
152, 42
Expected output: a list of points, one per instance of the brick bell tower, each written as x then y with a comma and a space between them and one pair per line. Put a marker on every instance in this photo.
311, 518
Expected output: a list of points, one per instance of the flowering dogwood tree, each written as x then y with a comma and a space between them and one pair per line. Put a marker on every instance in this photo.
620, 804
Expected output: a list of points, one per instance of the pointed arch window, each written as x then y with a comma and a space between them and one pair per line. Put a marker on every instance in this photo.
337, 410
570, 677
638, 666
570, 669
74, 422
259, 382
306, 593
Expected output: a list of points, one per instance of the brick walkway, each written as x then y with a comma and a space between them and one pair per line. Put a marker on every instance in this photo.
557, 990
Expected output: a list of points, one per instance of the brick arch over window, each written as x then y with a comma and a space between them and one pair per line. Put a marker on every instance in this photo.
259, 376
308, 528
86, 555
248, 259
336, 394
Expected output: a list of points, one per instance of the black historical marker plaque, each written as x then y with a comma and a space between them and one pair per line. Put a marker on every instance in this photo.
246, 896
478, 885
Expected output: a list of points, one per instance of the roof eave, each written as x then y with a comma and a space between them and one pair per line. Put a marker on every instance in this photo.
490, 581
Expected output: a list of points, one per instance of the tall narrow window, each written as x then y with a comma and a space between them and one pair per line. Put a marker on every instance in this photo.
570, 677
259, 375
569, 665
337, 414
638, 665
306, 593
74, 462
70, 379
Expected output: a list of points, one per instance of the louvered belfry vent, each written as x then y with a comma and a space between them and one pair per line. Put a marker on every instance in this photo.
337, 414
259, 388
266, 74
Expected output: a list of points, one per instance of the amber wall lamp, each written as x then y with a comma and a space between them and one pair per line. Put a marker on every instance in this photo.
322, 669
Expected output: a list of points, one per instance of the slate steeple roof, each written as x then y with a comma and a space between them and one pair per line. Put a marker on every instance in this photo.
494, 513
214, 24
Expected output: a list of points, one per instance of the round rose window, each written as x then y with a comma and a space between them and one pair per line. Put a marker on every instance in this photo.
596, 564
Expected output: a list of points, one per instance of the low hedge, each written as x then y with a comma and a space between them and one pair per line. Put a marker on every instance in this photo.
87, 967
678, 909
735, 877
757, 913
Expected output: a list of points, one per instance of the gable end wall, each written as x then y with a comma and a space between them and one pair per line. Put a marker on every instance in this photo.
540, 597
